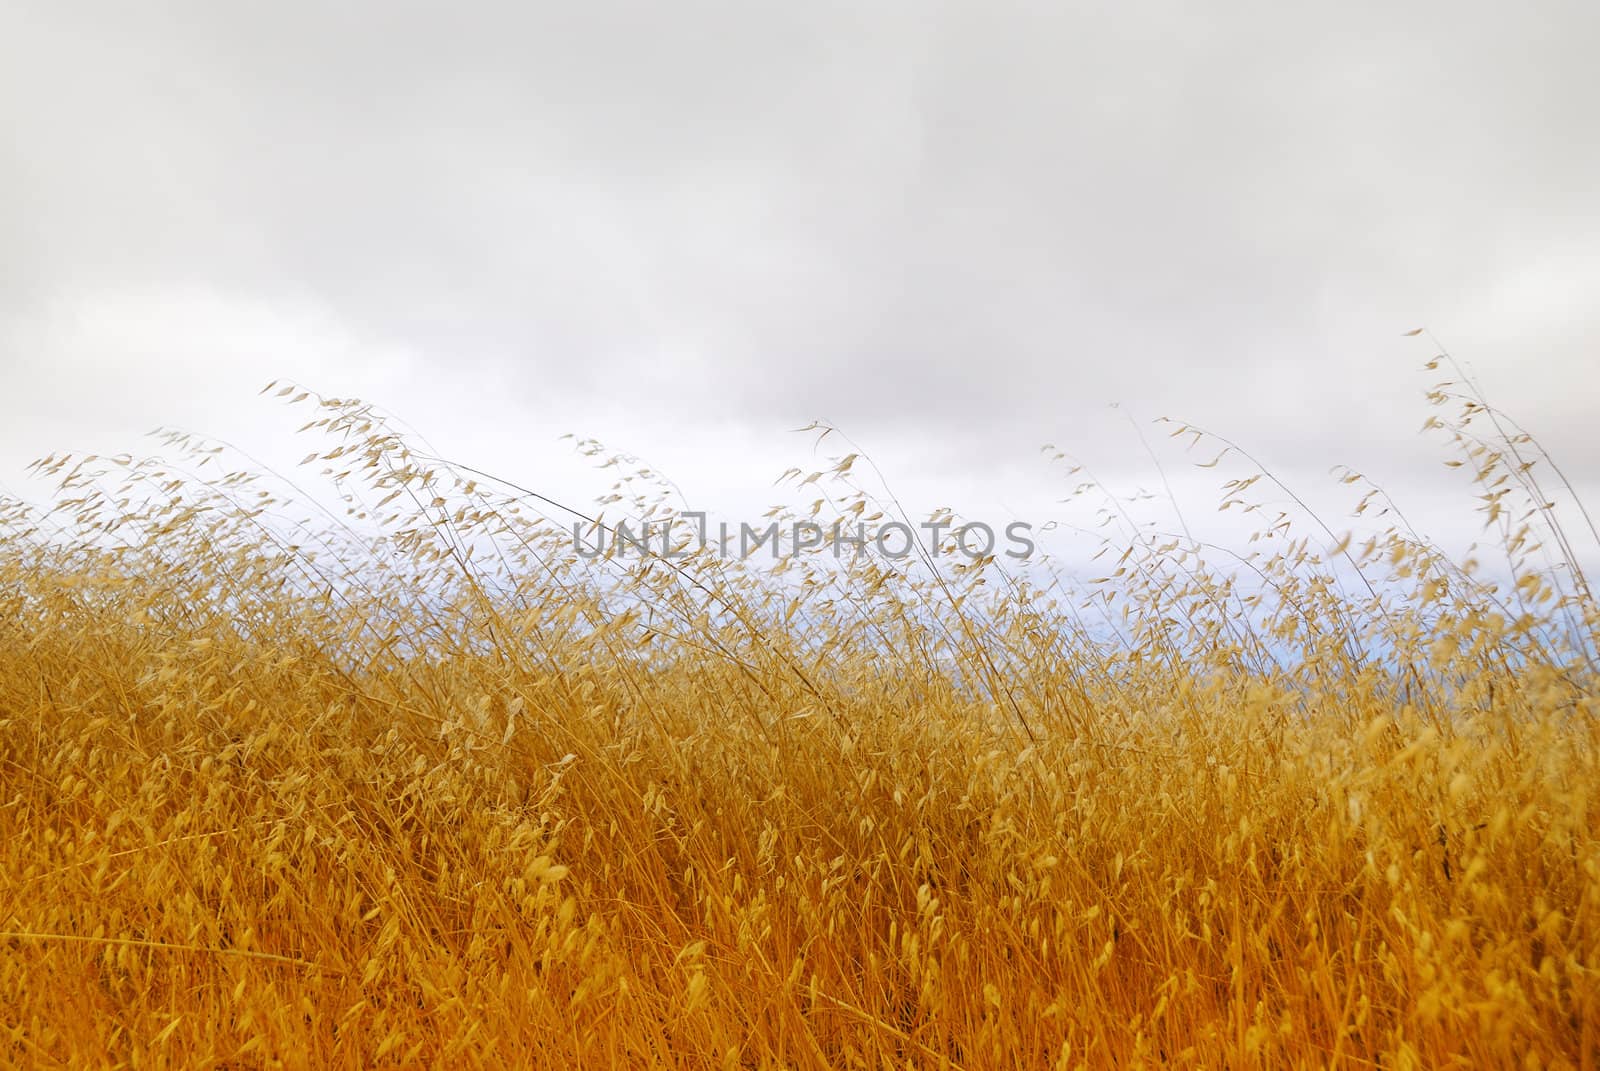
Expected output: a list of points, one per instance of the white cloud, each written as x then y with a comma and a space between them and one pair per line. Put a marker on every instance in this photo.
959, 230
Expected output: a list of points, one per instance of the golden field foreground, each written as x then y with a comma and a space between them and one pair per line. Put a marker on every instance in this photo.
425, 788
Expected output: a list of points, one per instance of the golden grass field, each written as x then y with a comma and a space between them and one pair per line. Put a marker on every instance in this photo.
417, 786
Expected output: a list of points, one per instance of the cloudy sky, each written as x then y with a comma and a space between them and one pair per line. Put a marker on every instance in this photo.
956, 230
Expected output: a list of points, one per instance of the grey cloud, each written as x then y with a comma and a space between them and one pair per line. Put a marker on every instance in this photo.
961, 223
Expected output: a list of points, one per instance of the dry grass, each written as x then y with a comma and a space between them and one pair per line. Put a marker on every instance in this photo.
427, 789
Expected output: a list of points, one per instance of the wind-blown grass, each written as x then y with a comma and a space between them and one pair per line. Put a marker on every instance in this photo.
419, 786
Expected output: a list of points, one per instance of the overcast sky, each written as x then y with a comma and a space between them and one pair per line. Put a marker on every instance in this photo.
957, 230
